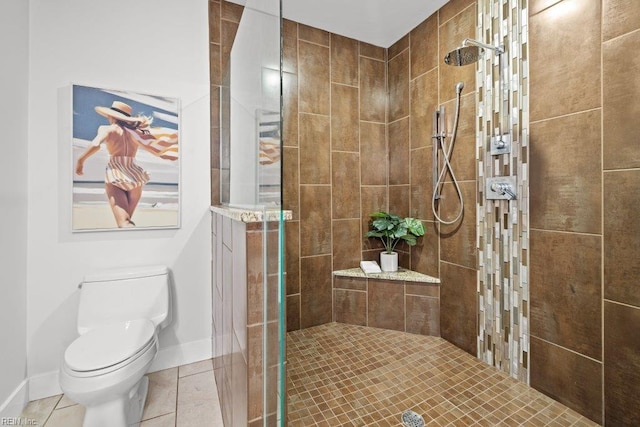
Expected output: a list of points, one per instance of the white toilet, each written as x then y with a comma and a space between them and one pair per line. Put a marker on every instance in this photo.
119, 316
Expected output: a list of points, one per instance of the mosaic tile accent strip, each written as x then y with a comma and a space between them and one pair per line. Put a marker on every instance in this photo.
503, 225
346, 375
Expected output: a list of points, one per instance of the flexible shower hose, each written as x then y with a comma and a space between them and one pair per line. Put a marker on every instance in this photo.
447, 165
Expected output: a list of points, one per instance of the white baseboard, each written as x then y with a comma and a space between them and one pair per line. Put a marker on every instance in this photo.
182, 354
12, 407
44, 385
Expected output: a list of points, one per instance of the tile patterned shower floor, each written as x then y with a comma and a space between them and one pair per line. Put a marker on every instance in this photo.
345, 375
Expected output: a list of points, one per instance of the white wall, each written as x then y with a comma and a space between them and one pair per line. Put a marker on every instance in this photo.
14, 40
149, 46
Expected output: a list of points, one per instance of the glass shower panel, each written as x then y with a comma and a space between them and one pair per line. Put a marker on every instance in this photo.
250, 140
251, 180
274, 326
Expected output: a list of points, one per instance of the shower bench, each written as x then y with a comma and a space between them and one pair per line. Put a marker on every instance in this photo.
405, 300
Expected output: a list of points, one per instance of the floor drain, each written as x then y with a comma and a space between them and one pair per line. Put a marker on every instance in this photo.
412, 419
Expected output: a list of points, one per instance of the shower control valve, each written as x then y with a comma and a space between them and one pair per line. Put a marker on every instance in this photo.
504, 189
501, 188
500, 144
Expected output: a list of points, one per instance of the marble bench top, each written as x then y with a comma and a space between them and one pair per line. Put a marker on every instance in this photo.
401, 275
251, 213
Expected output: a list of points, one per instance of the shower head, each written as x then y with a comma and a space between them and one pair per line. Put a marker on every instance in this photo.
463, 55
470, 52
459, 87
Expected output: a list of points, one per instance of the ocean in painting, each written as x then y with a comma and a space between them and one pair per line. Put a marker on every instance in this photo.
163, 196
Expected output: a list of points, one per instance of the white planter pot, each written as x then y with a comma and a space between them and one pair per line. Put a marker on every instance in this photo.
389, 261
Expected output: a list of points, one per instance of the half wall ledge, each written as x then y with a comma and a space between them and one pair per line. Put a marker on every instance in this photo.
251, 213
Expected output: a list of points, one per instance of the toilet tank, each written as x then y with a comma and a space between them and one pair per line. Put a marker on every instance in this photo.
125, 294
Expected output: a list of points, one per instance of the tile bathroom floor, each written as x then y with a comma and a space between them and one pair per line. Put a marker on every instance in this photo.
178, 397
345, 375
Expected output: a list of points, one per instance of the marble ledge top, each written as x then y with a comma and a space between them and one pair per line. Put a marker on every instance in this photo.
401, 275
251, 213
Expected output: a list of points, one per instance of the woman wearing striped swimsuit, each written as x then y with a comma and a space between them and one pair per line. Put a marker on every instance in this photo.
124, 178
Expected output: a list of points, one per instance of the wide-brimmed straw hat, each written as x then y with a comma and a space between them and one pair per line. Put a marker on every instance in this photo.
119, 111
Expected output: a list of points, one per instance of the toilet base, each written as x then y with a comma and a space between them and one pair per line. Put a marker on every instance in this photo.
136, 403
125, 411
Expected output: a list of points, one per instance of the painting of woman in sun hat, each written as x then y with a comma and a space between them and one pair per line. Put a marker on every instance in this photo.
123, 139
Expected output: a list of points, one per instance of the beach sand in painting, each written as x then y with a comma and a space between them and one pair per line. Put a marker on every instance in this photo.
100, 217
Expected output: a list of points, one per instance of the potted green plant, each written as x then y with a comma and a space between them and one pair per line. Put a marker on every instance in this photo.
392, 229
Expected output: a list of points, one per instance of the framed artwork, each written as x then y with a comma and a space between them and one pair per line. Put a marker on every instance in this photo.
126, 162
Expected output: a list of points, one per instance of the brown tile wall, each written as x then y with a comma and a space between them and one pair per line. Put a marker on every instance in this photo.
446, 251
585, 175
335, 158
239, 318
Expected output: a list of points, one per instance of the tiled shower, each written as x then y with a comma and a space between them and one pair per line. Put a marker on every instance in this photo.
357, 138
351, 146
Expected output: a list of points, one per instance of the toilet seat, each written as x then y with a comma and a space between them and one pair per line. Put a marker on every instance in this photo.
107, 348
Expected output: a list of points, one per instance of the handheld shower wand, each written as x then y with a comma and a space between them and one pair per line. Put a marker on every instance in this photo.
439, 141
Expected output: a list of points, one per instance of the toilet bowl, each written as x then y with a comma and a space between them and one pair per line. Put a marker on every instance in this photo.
104, 368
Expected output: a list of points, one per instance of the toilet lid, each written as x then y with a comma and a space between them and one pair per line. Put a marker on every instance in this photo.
108, 345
